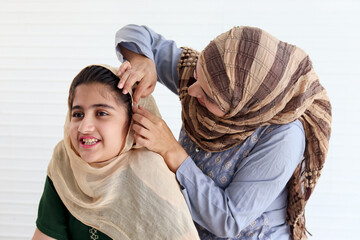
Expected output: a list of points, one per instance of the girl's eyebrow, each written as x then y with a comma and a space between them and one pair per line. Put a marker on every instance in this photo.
103, 105
76, 107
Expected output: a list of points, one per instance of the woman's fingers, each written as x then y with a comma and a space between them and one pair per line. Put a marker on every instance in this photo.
147, 126
132, 77
153, 133
145, 123
141, 140
147, 115
141, 129
143, 135
142, 70
125, 66
128, 77
144, 89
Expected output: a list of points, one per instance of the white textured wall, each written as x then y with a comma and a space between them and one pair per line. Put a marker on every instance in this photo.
43, 44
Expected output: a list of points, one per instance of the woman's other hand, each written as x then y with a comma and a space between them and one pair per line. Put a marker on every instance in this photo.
140, 69
153, 133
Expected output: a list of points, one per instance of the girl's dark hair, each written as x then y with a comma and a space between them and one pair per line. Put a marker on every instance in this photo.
99, 74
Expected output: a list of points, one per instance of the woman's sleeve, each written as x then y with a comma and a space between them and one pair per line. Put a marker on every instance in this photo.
52, 213
164, 53
261, 177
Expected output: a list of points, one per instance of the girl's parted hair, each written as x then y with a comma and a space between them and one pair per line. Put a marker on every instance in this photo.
99, 74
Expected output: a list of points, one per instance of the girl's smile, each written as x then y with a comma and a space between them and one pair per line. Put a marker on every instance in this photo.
88, 142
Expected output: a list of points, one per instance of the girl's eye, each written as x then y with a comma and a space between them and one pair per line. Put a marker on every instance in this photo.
78, 115
101, 113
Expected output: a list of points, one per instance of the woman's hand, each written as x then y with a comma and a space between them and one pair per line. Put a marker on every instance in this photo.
140, 69
153, 133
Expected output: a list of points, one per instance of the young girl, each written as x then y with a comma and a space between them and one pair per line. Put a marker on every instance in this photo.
99, 184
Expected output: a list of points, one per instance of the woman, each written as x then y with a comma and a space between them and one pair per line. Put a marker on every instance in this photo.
256, 127
97, 187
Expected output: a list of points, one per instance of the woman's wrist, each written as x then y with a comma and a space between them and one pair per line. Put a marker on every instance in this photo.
175, 157
130, 55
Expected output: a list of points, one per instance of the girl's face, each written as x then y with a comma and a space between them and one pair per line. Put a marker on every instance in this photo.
201, 91
99, 123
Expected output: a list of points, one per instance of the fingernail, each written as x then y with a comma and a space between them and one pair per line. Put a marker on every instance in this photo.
125, 91
121, 85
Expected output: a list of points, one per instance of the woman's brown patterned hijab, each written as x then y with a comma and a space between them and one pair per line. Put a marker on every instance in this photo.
259, 80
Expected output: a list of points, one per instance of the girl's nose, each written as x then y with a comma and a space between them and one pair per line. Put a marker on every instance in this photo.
86, 125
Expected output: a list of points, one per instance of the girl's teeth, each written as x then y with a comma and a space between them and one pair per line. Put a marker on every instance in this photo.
89, 141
